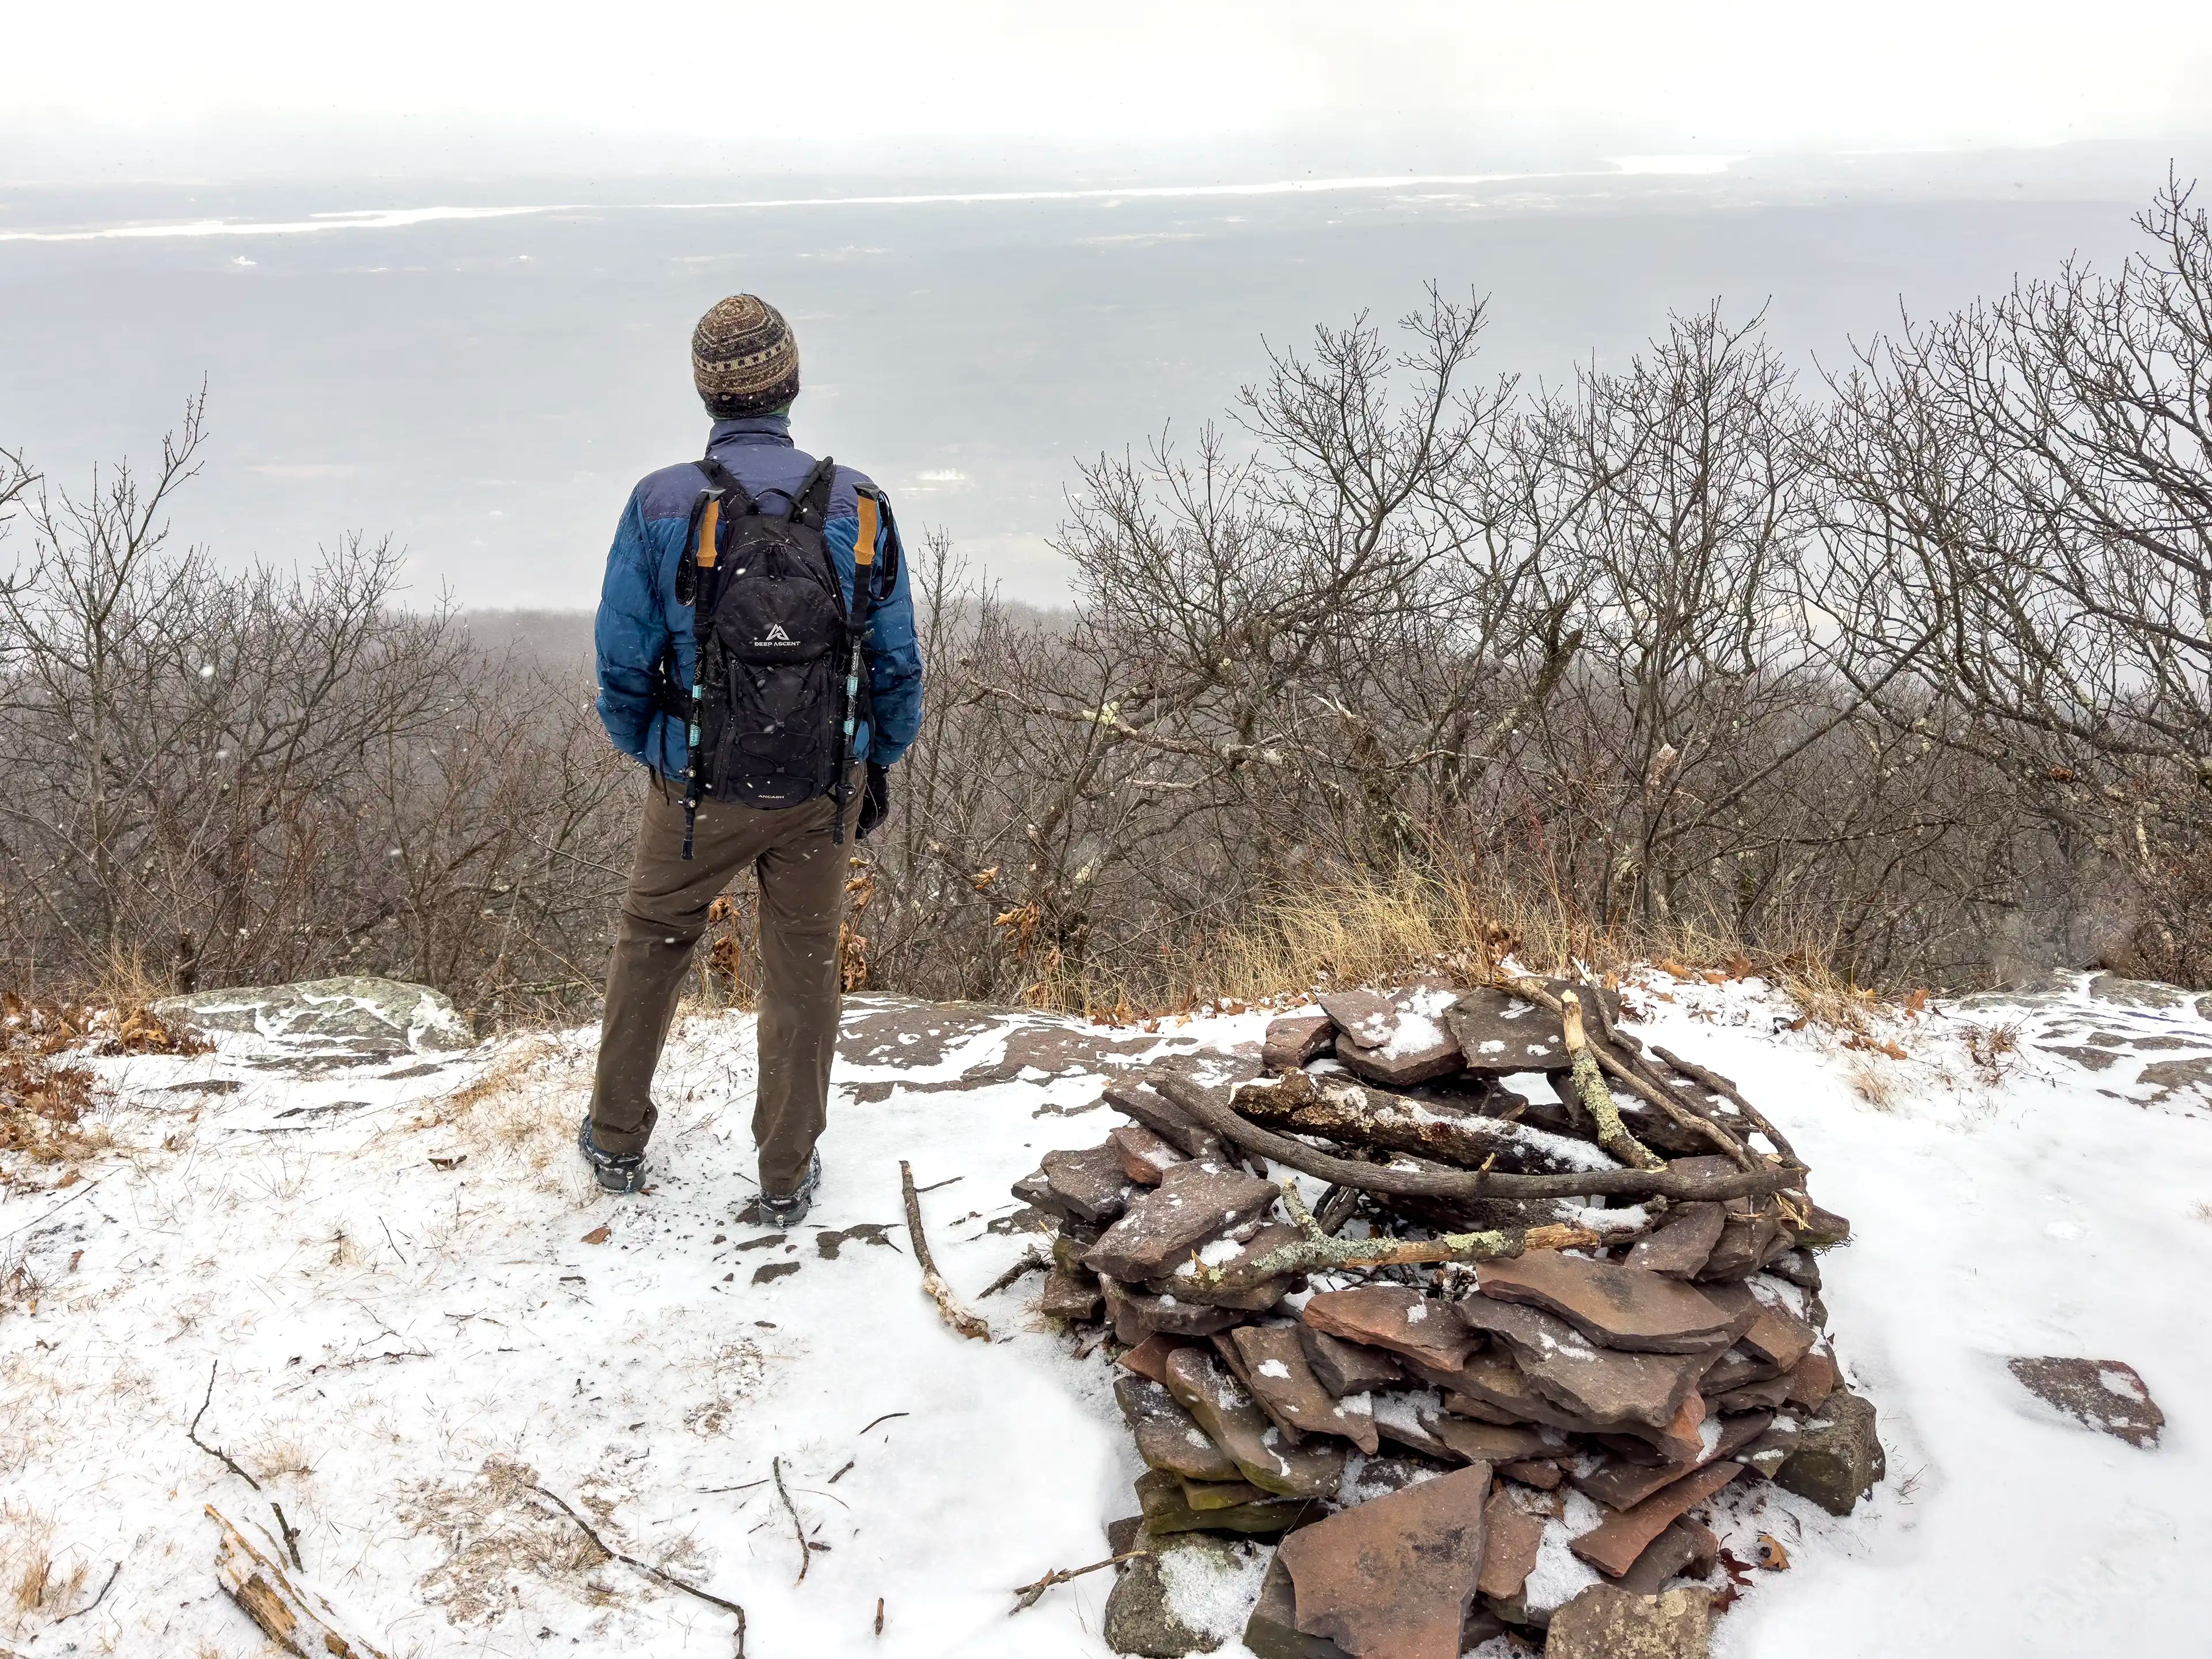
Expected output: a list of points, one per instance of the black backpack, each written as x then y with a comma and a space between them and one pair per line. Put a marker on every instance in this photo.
779, 682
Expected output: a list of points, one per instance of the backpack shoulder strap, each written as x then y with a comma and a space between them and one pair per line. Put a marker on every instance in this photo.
810, 503
722, 499
720, 478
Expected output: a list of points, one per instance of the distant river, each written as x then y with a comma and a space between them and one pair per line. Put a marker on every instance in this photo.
485, 381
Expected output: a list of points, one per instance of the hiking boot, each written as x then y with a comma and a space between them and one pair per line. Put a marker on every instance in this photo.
618, 1172
789, 1210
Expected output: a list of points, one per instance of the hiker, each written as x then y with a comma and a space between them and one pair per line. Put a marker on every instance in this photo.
783, 577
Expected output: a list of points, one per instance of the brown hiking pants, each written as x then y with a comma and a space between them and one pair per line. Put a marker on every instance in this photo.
801, 873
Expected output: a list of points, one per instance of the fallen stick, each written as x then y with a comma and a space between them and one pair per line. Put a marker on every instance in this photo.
1727, 1091
1596, 1099
798, 1527
1337, 1206
113, 1573
192, 1434
1473, 1183
290, 1533
1320, 1251
1032, 1262
964, 1322
1647, 1090
646, 1567
1316, 1249
1353, 1113
298, 1621
1030, 1594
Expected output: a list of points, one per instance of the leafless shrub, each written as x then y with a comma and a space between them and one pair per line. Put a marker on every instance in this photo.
2022, 566
267, 775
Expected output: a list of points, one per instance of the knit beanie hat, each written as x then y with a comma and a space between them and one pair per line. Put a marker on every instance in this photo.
744, 359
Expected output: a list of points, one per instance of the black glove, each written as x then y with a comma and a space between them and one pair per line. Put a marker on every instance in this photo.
875, 800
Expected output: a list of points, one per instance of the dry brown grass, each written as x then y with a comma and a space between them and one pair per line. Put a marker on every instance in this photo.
1874, 1083
1363, 926
126, 982
277, 1457
1995, 1048
19, 1286
504, 1111
495, 1527
34, 1584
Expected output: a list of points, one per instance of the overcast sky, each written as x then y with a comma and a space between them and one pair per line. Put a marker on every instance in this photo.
144, 89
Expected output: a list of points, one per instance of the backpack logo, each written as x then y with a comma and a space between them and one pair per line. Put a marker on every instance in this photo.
776, 635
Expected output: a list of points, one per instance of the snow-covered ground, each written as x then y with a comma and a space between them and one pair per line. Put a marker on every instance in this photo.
416, 1309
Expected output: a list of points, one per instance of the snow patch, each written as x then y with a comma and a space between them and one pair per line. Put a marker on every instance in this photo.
1210, 1592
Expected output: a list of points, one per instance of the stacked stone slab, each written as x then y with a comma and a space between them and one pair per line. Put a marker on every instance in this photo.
1413, 1441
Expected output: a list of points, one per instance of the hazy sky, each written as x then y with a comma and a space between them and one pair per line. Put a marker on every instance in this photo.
149, 88
436, 261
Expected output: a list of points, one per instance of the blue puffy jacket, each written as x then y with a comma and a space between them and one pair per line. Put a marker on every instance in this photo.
639, 616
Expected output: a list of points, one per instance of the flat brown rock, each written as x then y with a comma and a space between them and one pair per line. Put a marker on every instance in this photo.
1195, 1203
1682, 1440
1273, 1632
1736, 1369
1137, 1315
2106, 1395
1222, 1494
1400, 1419
1168, 1438
1295, 1039
1088, 1185
1542, 1473
1775, 1334
1145, 1157
1511, 1538
1276, 1371
1687, 1548
1367, 1018
1601, 1386
1813, 1379
1489, 1387
1396, 1317
1344, 1367
1150, 1357
1681, 1248
1629, 1307
1620, 1483
1153, 1109
1229, 1256
1418, 1049
1608, 1622
1161, 1495
1500, 1033
1069, 1295
1486, 1442
1742, 1246
1204, 1388
1613, 1546
1393, 1578
1754, 1396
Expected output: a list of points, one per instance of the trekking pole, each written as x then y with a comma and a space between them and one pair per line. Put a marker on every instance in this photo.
701, 557
864, 565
